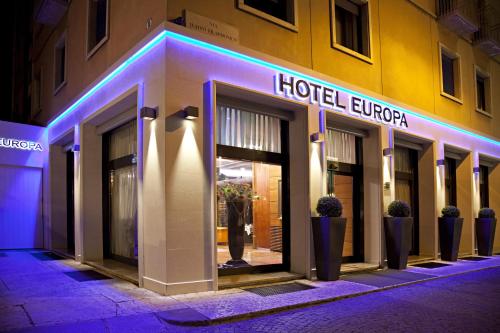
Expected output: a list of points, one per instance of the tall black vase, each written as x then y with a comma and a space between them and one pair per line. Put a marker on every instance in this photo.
328, 236
450, 231
397, 240
485, 235
236, 213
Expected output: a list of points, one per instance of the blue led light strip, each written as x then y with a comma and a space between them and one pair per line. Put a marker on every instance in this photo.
240, 56
142, 51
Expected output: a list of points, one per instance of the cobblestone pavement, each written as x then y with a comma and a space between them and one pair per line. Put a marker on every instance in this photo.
463, 303
38, 294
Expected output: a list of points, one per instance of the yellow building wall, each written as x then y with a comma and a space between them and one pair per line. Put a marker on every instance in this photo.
404, 67
127, 27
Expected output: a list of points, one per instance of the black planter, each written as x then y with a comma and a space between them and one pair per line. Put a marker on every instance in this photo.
450, 230
328, 235
485, 235
236, 213
397, 240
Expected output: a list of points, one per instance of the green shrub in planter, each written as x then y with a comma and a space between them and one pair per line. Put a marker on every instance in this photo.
486, 213
450, 211
328, 236
399, 208
398, 229
329, 206
485, 231
450, 230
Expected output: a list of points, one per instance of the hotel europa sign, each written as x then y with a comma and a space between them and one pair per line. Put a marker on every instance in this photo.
325, 97
20, 144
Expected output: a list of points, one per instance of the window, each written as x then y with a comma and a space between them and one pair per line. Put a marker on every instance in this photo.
60, 64
482, 91
97, 25
450, 74
483, 186
282, 12
450, 176
350, 26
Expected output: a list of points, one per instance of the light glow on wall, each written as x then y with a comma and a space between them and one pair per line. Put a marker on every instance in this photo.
255, 61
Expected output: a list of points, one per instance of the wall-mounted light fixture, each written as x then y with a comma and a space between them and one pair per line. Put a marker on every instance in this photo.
149, 113
387, 151
476, 170
317, 137
75, 148
440, 162
190, 112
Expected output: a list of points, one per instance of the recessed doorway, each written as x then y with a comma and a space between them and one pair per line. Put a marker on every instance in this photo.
252, 192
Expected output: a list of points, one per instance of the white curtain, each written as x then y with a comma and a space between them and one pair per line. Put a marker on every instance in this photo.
340, 146
250, 130
402, 160
123, 141
124, 212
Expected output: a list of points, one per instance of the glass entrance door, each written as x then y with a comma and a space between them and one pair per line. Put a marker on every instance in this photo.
252, 192
406, 172
120, 197
249, 224
70, 202
345, 181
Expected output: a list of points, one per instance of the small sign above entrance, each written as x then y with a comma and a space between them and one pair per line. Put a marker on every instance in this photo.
211, 27
314, 93
20, 144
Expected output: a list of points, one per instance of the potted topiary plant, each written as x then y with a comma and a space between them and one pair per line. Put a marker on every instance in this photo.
450, 230
328, 236
397, 228
485, 231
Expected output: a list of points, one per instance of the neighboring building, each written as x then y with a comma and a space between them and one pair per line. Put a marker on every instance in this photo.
157, 112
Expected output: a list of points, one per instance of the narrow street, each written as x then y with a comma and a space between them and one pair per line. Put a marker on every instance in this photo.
41, 292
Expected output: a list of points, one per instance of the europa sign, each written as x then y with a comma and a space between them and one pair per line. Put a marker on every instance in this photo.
20, 144
329, 98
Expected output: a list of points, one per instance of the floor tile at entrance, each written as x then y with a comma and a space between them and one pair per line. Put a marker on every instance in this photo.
45, 256
118, 269
430, 265
385, 278
254, 256
86, 275
474, 258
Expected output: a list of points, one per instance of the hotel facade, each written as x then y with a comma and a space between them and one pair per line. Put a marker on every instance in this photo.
154, 114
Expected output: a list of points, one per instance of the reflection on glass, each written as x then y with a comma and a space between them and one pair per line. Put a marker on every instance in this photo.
249, 226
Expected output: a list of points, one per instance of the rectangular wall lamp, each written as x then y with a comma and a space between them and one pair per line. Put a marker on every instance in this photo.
190, 112
387, 151
440, 162
149, 113
75, 148
476, 170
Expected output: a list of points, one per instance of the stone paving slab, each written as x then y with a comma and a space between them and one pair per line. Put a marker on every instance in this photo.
38, 294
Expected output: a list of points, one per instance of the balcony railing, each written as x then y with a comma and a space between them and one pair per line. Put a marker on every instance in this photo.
460, 16
488, 36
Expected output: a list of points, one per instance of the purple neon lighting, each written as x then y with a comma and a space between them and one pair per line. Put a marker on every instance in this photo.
236, 55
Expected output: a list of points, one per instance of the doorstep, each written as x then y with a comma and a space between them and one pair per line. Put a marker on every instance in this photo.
357, 267
244, 280
419, 259
209, 308
116, 269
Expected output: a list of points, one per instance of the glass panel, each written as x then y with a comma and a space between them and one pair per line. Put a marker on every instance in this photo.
343, 191
124, 212
340, 147
448, 75
249, 226
402, 161
123, 141
244, 129
277, 8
